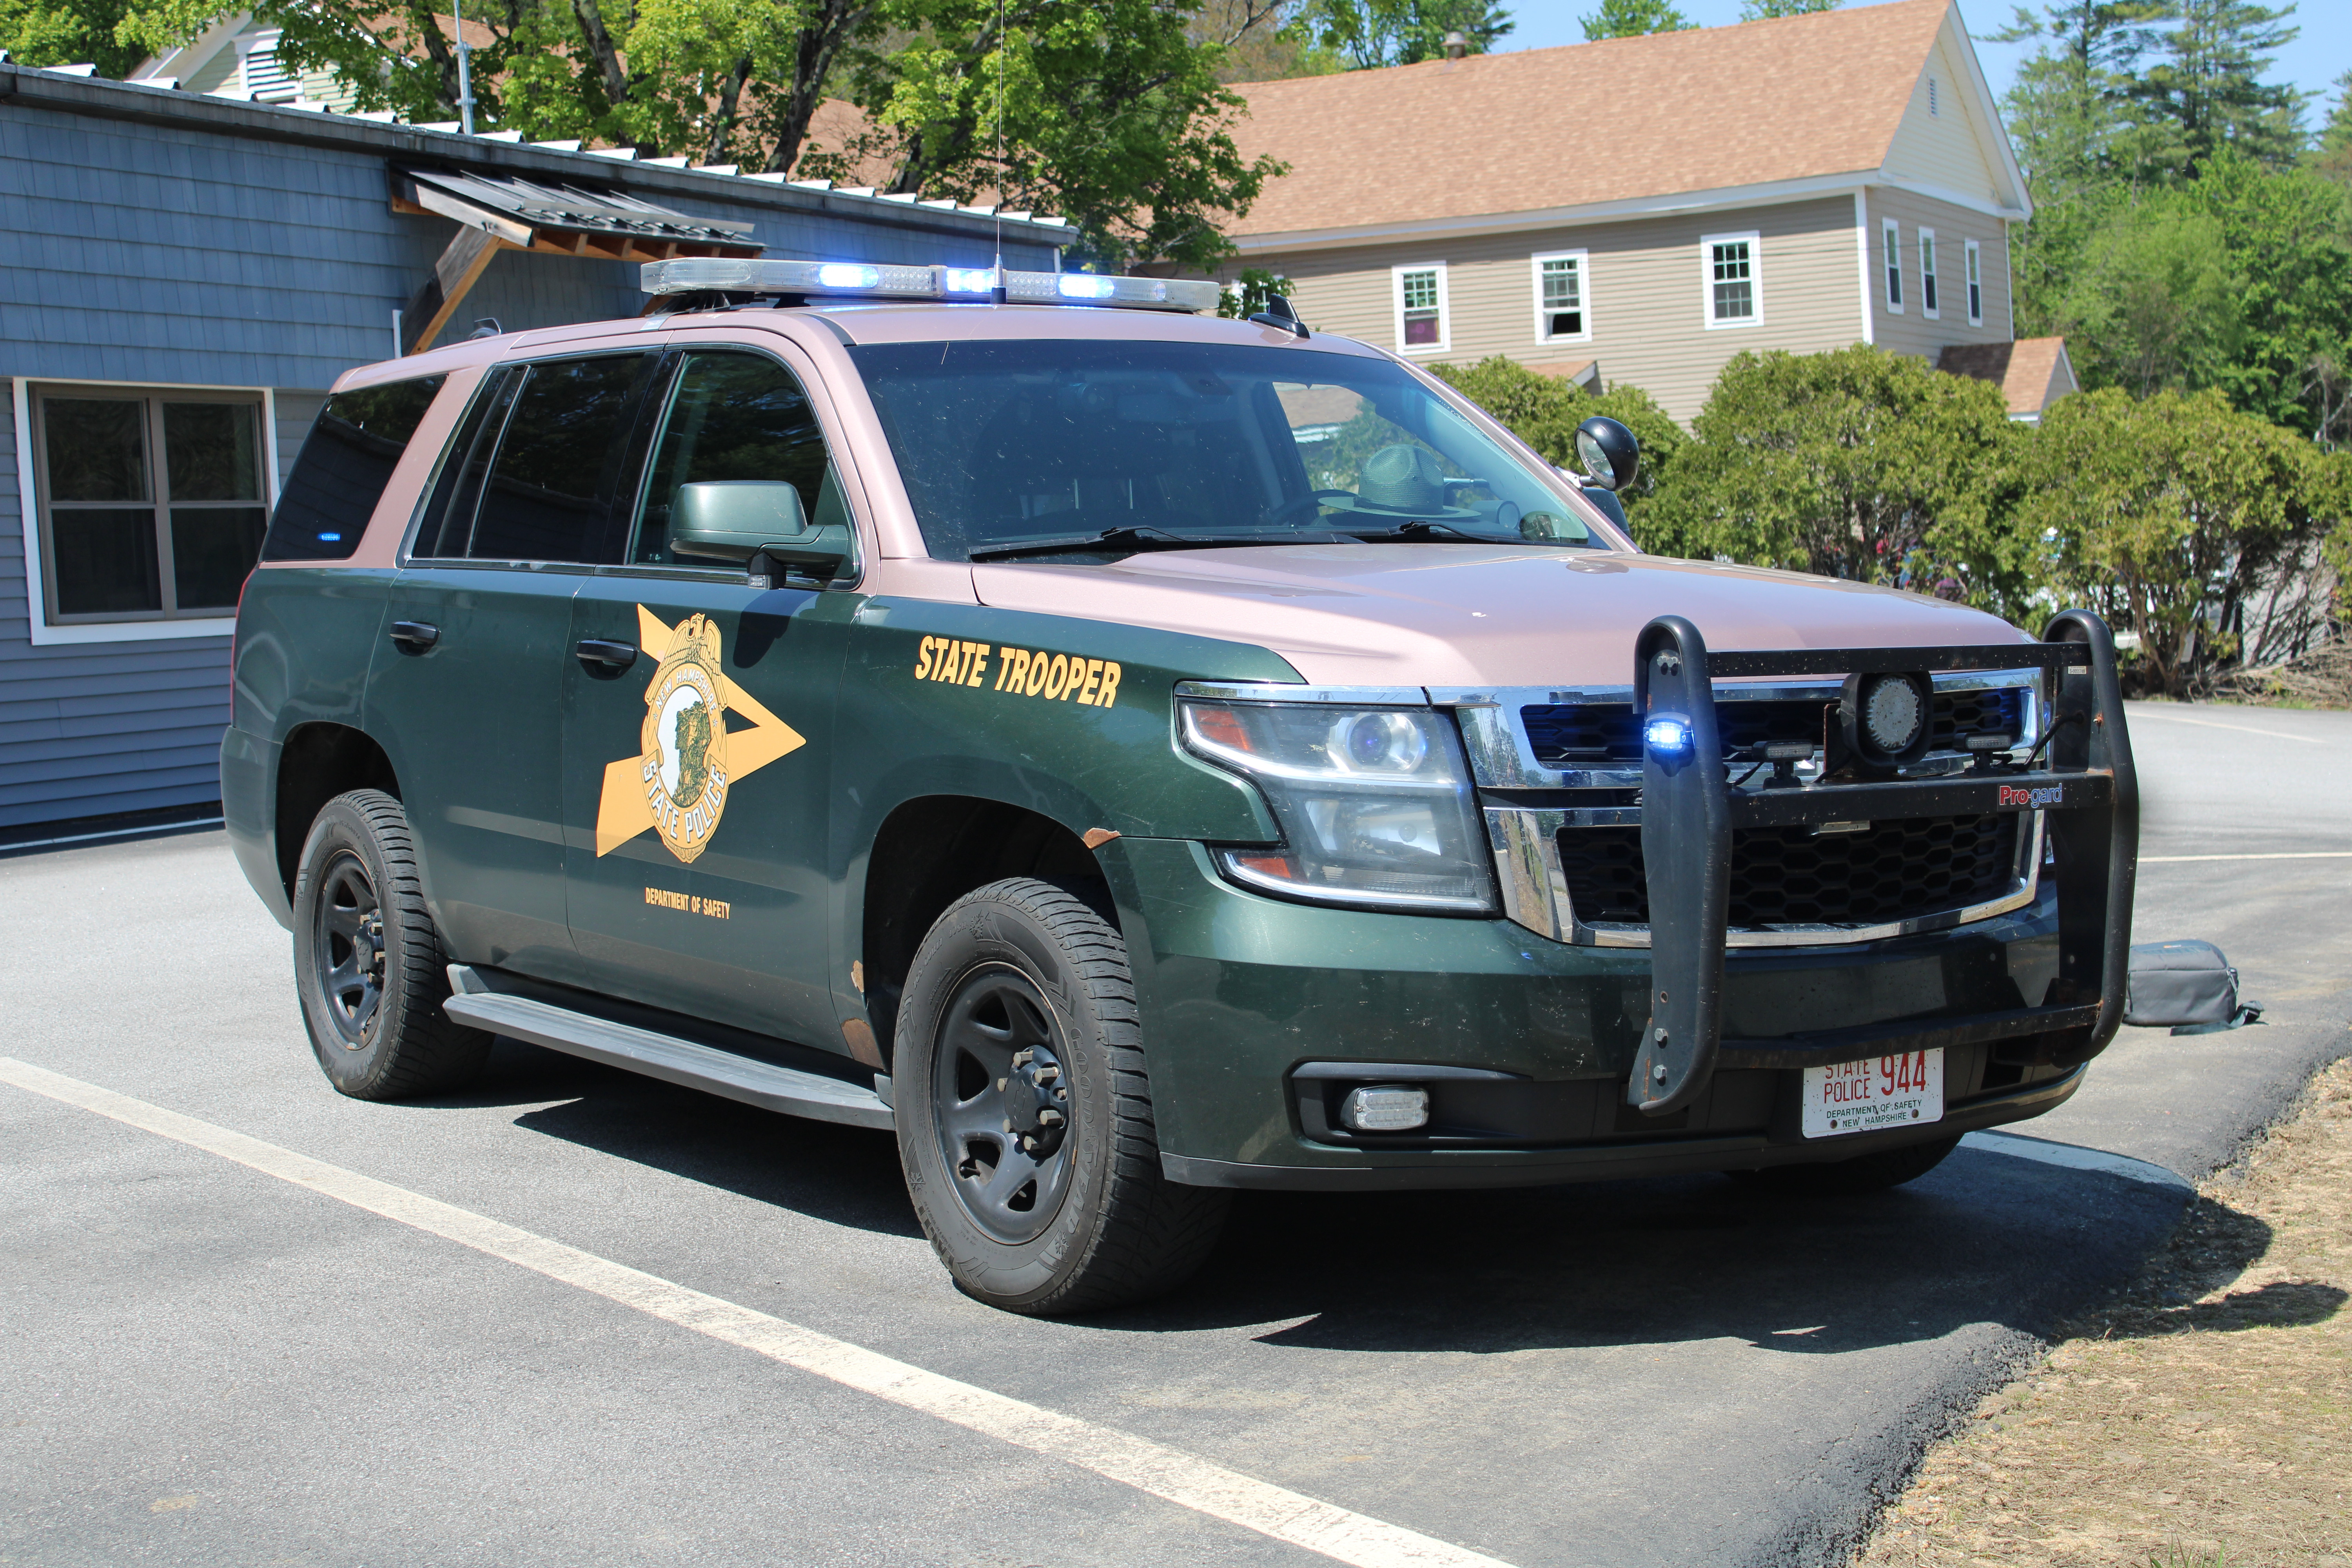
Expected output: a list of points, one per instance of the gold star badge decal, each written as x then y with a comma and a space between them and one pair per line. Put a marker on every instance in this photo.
687, 762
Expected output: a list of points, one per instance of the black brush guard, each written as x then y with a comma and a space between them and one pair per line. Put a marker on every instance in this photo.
2084, 781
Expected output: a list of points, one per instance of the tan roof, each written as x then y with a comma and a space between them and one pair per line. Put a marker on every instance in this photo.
1756, 103
2031, 373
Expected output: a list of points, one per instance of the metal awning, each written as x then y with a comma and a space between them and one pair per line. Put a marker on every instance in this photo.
498, 212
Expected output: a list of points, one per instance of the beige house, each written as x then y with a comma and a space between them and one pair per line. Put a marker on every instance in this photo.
1648, 207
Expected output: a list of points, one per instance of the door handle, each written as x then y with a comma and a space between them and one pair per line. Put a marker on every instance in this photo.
415, 637
613, 656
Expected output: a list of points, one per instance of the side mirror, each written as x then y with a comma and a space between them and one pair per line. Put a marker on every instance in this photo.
743, 520
1607, 453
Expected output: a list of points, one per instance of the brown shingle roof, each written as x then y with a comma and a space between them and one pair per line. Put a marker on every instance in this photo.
2027, 371
1627, 118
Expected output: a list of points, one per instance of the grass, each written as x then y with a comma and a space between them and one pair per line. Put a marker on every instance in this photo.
2200, 1419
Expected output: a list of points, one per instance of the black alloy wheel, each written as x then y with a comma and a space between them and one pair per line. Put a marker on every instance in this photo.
1025, 1124
368, 966
347, 948
1003, 1105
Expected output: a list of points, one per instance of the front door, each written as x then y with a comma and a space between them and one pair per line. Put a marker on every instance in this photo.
698, 720
465, 689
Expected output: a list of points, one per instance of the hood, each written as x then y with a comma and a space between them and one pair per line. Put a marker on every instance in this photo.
1475, 614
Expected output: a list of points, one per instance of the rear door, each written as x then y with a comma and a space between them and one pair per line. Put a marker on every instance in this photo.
698, 744
466, 691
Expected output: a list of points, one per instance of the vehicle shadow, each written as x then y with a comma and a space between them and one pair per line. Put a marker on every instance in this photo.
843, 1175
1985, 1238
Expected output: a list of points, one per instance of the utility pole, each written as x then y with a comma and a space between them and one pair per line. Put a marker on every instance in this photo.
464, 72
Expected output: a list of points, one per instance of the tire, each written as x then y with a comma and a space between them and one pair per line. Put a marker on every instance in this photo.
1020, 1008
368, 963
1862, 1174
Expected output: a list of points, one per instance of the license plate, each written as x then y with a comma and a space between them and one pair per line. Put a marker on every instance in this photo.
1870, 1096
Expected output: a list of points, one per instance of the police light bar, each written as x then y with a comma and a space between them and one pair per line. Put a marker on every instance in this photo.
975, 285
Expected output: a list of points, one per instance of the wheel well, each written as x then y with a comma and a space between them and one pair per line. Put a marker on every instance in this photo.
930, 853
319, 762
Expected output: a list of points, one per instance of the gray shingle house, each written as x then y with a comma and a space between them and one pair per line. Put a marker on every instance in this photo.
182, 276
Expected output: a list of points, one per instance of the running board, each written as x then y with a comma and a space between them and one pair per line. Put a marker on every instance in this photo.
665, 1056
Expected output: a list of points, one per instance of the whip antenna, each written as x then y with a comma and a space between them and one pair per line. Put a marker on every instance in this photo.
996, 276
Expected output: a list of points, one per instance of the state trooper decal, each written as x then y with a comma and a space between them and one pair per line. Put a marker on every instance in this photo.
687, 763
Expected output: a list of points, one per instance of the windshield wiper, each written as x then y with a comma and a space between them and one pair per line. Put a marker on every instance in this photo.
1408, 532
1146, 539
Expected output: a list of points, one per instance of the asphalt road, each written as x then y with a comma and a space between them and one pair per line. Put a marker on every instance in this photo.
202, 1362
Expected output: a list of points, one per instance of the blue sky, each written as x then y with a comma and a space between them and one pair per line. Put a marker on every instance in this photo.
2313, 61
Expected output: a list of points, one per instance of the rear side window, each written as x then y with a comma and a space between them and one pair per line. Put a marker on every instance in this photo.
551, 483
346, 463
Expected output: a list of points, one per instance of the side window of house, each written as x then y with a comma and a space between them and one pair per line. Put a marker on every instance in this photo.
1560, 297
1928, 306
1891, 243
346, 462
1421, 306
531, 475
151, 507
1975, 284
1734, 298
732, 415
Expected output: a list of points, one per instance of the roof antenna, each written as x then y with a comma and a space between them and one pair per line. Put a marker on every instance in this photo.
996, 276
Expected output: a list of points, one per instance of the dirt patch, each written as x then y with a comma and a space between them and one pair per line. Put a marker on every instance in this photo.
2202, 1417
2319, 678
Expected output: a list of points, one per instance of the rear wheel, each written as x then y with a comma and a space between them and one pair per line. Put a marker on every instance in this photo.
1024, 1110
1862, 1174
368, 963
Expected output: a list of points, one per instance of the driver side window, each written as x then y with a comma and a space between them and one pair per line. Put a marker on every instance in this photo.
732, 415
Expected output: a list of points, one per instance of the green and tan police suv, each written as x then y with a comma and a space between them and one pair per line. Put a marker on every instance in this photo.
1133, 757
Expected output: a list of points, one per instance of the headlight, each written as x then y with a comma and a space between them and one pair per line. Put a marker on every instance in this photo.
1374, 803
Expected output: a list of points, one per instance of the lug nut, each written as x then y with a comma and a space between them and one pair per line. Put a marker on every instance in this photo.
1049, 1117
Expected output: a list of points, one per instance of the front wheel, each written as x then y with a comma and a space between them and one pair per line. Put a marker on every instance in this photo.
368, 965
1024, 1110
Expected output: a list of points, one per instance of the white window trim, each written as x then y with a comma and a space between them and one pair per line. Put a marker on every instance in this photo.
1706, 243
1931, 303
1862, 260
1444, 342
1890, 266
1583, 294
1972, 279
37, 595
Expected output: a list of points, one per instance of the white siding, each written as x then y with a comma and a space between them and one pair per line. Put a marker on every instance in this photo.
1947, 148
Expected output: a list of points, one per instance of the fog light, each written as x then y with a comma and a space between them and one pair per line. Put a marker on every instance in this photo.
1385, 1108
1668, 734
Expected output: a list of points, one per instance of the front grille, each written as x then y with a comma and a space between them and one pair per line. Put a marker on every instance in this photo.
1894, 871
1603, 734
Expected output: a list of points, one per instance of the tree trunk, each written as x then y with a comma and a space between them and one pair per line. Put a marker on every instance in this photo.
613, 76
836, 23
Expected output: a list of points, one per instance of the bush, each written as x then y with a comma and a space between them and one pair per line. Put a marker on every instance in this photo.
1544, 410
1857, 463
2196, 527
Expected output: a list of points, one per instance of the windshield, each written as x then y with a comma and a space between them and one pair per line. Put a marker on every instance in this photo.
1051, 445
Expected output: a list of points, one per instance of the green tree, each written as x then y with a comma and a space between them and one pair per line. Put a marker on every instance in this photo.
1111, 111
66, 33
1370, 33
2204, 91
1858, 463
1245, 296
1765, 10
2153, 301
1634, 18
2331, 155
2174, 516
1544, 410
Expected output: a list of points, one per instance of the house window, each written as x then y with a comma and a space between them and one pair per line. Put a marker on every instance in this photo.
1927, 306
1734, 297
1975, 283
1421, 307
152, 506
1891, 234
1561, 298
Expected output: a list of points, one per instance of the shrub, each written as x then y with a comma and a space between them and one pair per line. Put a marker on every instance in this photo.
1544, 410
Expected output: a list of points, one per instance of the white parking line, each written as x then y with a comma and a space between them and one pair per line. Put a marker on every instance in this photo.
2074, 1157
1168, 1473
2139, 712
2284, 855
